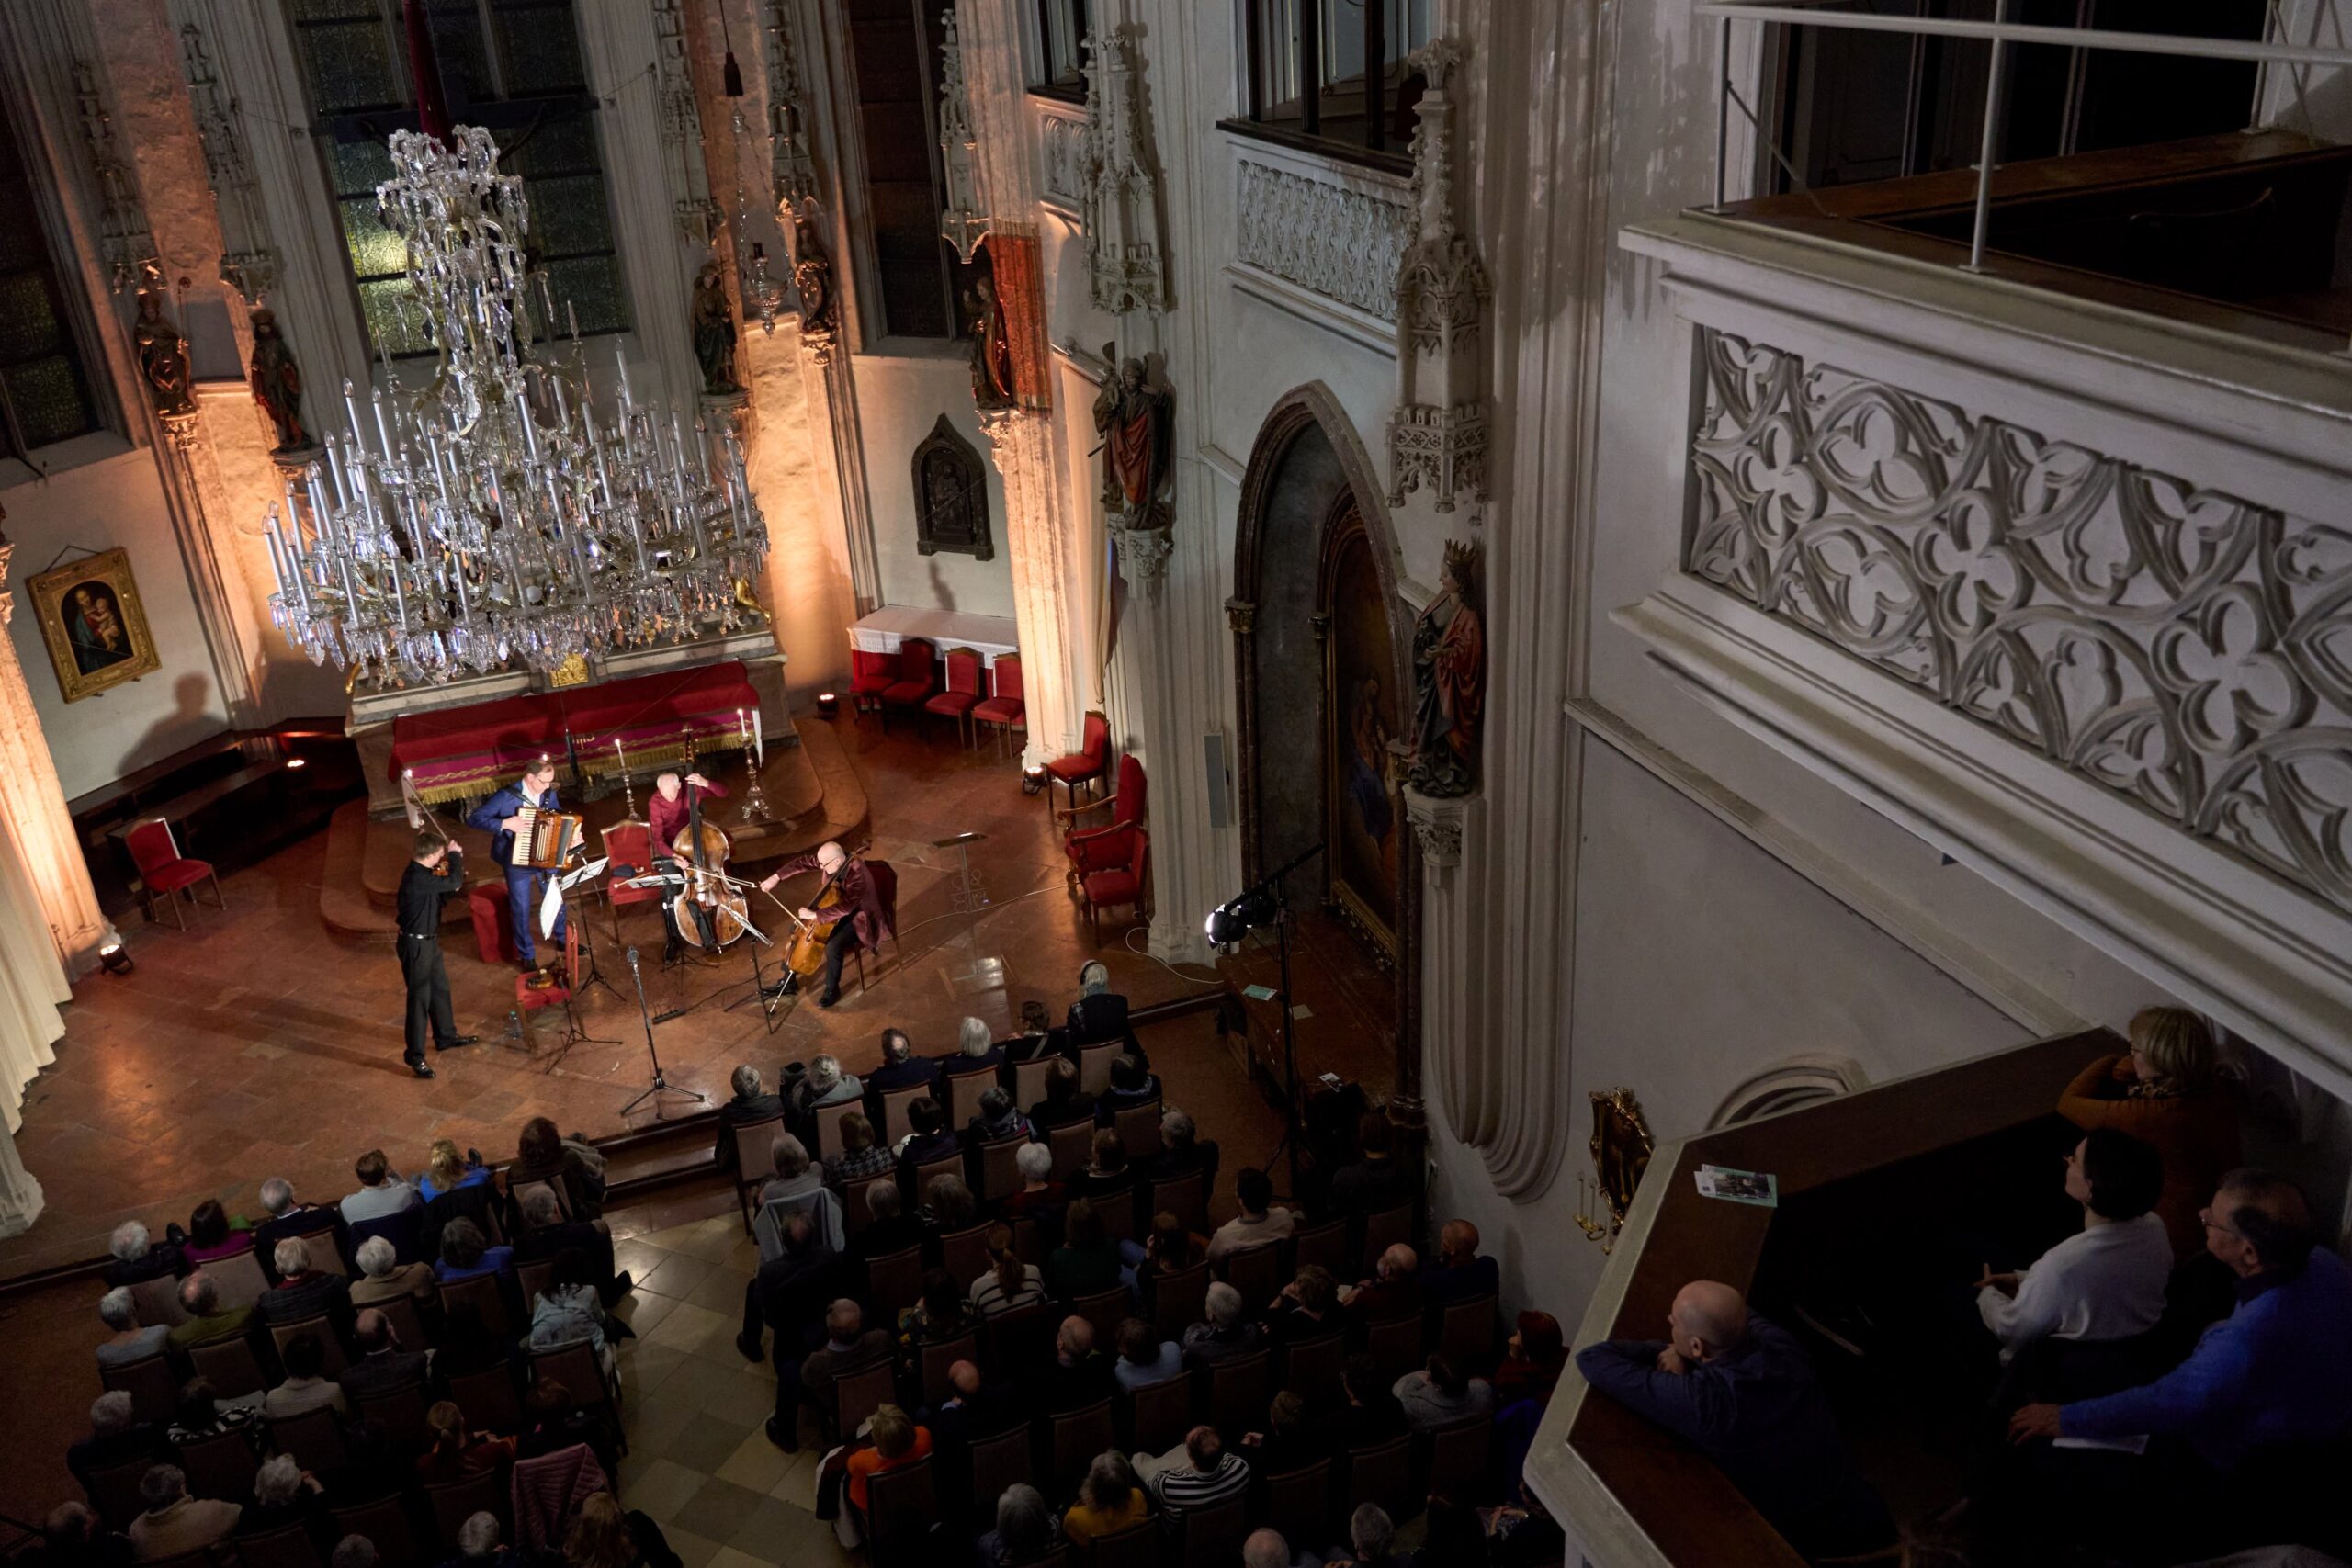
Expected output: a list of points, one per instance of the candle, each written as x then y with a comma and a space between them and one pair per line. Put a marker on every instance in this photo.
383, 432
758, 741
269, 539
350, 407
621, 360
620, 758
743, 730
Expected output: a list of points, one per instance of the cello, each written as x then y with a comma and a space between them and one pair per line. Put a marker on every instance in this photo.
704, 849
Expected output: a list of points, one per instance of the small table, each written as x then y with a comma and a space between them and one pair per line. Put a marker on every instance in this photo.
887, 628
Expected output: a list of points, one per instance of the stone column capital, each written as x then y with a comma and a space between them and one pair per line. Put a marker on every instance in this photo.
1143, 556
1437, 824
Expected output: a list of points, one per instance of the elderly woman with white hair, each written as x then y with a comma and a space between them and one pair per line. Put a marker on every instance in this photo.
117, 1436
823, 1084
384, 1278
1100, 1013
305, 1289
138, 1258
128, 1342
284, 1494
976, 1049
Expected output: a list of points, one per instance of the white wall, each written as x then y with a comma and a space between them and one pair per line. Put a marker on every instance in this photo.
899, 399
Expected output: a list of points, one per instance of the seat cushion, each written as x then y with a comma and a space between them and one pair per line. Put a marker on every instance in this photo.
1112, 887
952, 703
529, 997
906, 693
999, 710
175, 875
874, 684
1076, 766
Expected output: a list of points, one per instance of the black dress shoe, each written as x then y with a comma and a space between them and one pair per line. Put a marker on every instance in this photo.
751, 1347
783, 1437
455, 1041
421, 1069
829, 999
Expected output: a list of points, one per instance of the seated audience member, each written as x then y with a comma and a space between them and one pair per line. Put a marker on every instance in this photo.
1169, 1249
176, 1523
848, 1346
1266, 1549
1078, 1375
128, 1342
1132, 1084
1038, 1037
975, 1050
973, 1409
542, 1154
940, 1313
799, 1188
384, 1278
480, 1201
383, 1364
797, 1176
1209, 1476
1290, 1442
1369, 1414
479, 1547
138, 1259
547, 1233
2262, 1385
553, 1421
1451, 1532
1226, 1333
1524, 1535
1376, 1182
1107, 1178
1372, 1536
889, 1230
285, 1496
948, 1208
1308, 1308
996, 1119
303, 1289
382, 1192
468, 1345
1183, 1150
1086, 1263
1533, 1358
1458, 1273
1109, 1501
202, 1321
466, 1253
1144, 1357
1025, 1530
1101, 1013
287, 1218
116, 1438
1009, 1282
748, 1106
1040, 1193
1393, 1292
1065, 1102
354, 1552
74, 1537
567, 1311
446, 1171
1260, 1222
1736, 1387
897, 1442
790, 1294
1440, 1394
861, 1159
304, 1388
201, 1415
823, 1084
2167, 1093
458, 1450
900, 1069
2106, 1281
929, 1138
212, 1234
605, 1536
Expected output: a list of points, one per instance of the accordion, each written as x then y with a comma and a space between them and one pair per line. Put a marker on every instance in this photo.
545, 840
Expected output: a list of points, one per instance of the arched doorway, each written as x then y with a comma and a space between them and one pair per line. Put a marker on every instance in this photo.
1321, 642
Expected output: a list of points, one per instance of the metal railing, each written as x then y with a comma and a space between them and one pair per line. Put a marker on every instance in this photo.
2000, 33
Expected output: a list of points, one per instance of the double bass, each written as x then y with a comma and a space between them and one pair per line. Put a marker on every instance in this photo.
703, 849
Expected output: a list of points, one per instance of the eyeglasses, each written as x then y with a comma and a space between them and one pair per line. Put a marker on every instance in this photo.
2205, 1217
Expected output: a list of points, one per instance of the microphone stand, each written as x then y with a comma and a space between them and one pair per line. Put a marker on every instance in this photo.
661, 1084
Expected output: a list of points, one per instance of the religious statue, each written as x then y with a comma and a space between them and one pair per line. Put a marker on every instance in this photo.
162, 354
1448, 680
812, 274
277, 383
714, 334
1136, 422
992, 382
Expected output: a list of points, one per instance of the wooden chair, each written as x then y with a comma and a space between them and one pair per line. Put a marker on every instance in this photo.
1087, 765
1326, 1245
1028, 1239
1256, 1273
1186, 1197
1382, 1473
1106, 1310
1138, 1129
314, 1437
1029, 1081
531, 1280
229, 1365
919, 1179
1456, 1462
237, 1280
829, 1127
893, 1283
163, 872
153, 1386
903, 1506
1312, 1368
1094, 1064
856, 1213
1382, 1230
386, 1522
399, 1413
1076, 1437
330, 1343
884, 877
998, 1462
290, 1546
326, 1253
1298, 1503
220, 1464
489, 1296
114, 1490
1003, 711
1210, 1536
158, 1301
894, 1103
1000, 1168
1138, 1546
964, 1253
859, 1393
1395, 1346
754, 1161
1160, 1414
579, 1369
407, 1323
1073, 1145
960, 1093
1013, 1342
487, 1399
937, 1358
455, 1502
1465, 1332
1239, 1390
965, 686
1118, 1212
1179, 1300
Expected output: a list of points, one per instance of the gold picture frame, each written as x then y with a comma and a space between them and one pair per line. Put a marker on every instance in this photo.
93, 623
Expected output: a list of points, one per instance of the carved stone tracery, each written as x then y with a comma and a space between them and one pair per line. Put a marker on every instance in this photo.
1342, 242
2187, 649
1120, 194
963, 222
1437, 436
125, 242
697, 211
792, 158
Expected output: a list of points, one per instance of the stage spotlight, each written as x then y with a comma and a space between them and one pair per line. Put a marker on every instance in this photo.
1225, 927
1238, 916
828, 705
298, 761
115, 959
1032, 779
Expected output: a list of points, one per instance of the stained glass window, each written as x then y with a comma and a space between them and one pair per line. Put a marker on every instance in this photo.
44, 397
511, 65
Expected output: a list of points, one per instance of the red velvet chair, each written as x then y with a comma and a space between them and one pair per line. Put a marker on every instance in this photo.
493, 923
963, 692
1127, 882
917, 679
871, 674
628, 843
1086, 765
1003, 712
1097, 849
163, 871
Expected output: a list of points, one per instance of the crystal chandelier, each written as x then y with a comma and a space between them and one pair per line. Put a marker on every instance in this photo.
495, 520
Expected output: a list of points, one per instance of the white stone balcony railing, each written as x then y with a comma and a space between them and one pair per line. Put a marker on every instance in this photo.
1320, 237
2065, 589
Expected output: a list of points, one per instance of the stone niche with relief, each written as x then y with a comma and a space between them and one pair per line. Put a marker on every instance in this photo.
951, 496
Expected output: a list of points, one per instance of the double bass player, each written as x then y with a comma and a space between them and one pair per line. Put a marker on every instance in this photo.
668, 815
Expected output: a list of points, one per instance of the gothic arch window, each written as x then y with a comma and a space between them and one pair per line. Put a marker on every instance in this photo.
45, 395
1786, 1085
951, 496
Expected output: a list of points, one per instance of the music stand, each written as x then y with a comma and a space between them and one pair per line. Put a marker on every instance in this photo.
575, 946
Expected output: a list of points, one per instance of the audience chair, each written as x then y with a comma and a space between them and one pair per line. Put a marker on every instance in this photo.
1138, 1546
1256, 1273
856, 1213
489, 1296
893, 1119
754, 1162
919, 1179
918, 678
872, 673
1239, 1389
1117, 1212
893, 1283
884, 877
1312, 1368
1186, 1197
1094, 1064
1014, 1341
163, 872
153, 1386
1077, 1435
455, 1502
1466, 1331
1100, 848
290, 1546
829, 1127
1396, 1346
964, 1253
859, 1393
903, 1507
1160, 1414
1029, 1081
1381, 1474
1382, 1230
407, 1323
937, 1357
158, 1301
1298, 1503
1326, 1245
577, 1367
522, 1194
314, 1438
401, 1230
1180, 1300
237, 1279
1128, 882
1456, 1458
1028, 1239
1106, 1310
326, 1252
962, 693
1084, 766
229, 1365
220, 1464
998, 1462
1210, 1536
1003, 712
114, 1490
399, 1414
1000, 1173
489, 1400
385, 1522
960, 1094
1138, 1129
1071, 1144
531, 1280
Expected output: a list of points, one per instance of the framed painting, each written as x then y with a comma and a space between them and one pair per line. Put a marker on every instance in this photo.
93, 624
1362, 814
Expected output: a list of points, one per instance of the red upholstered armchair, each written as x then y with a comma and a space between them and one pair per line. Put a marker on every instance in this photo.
871, 674
163, 871
1003, 712
1085, 765
917, 681
963, 692
1098, 848
1126, 882
628, 843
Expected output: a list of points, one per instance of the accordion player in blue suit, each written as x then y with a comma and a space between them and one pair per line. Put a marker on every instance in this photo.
499, 816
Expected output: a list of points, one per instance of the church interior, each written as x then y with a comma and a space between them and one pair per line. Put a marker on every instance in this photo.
1134, 783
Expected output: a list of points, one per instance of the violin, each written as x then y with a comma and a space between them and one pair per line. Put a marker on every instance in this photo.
703, 847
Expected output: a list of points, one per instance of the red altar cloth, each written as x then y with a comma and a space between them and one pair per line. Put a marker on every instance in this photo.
469, 752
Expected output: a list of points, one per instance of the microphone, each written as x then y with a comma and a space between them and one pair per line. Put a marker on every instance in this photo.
632, 961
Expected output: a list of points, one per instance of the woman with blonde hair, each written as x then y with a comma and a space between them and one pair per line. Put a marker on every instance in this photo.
2167, 1091
605, 1537
897, 1442
446, 1170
